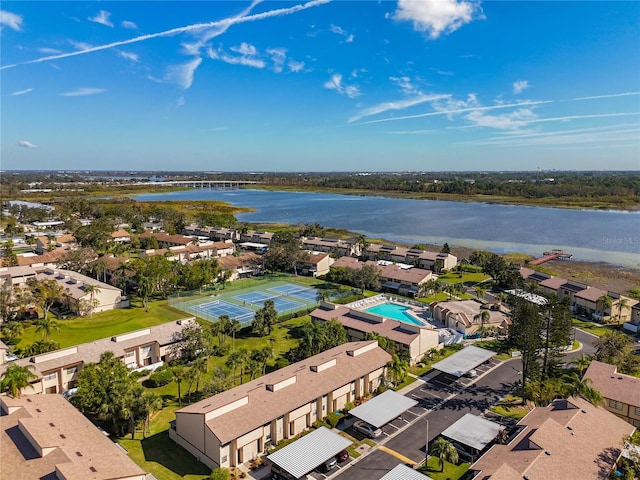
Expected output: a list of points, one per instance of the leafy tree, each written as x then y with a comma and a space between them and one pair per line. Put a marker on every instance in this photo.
604, 303
480, 290
16, 378
45, 293
219, 474
40, 346
191, 343
445, 248
285, 251
445, 451
525, 335
618, 349
556, 332
219, 381
10, 258
431, 287
367, 277
316, 337
104, 390
11, 331
397, 369
265, 318
151, 402
7, 301
78, 259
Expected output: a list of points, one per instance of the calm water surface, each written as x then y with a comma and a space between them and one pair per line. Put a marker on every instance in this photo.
591, 235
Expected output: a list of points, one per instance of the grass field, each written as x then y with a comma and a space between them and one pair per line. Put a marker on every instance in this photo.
591, 327
106, 324
511, 406
451, 471
466, 278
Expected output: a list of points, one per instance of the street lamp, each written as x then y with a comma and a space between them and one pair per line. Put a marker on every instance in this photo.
426, 444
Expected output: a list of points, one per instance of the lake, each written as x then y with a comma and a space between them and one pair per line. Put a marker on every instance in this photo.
590, 235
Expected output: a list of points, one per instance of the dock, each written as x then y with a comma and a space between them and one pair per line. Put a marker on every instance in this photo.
552, 255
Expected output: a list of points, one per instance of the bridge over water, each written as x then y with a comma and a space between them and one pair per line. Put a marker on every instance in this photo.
210, 184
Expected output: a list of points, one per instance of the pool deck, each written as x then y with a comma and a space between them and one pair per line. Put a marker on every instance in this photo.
416, 310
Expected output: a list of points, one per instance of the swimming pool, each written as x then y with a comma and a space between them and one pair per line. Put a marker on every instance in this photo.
395, 311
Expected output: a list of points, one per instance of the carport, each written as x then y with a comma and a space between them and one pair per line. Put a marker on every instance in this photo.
402, 472
473, 432
466, 359
309, 452
382, 409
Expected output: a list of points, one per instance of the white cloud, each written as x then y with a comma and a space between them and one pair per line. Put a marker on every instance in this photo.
397, 105
278, 57
83, 92
102, 18
22, 92
11, 20
180, 102
520, 86
247, 61
27, 144
80, 46
183, 74
295, 66
506, 121
129, 56
405, 85
335, 83
49, 51
219, 24
245, 49
129, 25
437, 16
348, 38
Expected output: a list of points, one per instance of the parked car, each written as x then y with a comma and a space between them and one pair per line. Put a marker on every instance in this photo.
471, 374
342, 456
366, 429
328, 465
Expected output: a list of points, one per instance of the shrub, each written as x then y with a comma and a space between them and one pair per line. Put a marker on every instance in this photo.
220, 351
220, 474
160, 379
348, 406
137, 375
334, 418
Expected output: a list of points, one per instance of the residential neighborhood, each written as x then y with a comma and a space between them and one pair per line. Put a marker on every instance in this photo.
232, 345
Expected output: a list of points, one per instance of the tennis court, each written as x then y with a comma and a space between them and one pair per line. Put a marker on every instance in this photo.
257, 298
309, 294
217, 308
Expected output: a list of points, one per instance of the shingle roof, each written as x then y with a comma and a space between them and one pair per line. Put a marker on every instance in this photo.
581, 441
591, 294
77, 448
613, 385
264, 405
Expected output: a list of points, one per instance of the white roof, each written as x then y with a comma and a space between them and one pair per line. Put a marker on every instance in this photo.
307, 453
382, 409
473, 431
528, 296
466, 359
402, 472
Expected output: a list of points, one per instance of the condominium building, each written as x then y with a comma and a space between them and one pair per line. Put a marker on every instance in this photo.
236, 426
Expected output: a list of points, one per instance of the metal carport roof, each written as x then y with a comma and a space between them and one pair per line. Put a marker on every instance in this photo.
466, 359
473, 431
307, 453
402, 472
382, 409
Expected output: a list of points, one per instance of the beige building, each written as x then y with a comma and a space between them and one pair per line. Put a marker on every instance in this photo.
57, 371
435, 261
415, 340
65, 242
568, 439
192, 252
465, 316
333, 246
45, 437
236, 426
402, 279
315, 264
621, 392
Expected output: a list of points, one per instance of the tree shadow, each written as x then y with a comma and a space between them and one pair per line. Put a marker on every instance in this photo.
161, 449
606, 460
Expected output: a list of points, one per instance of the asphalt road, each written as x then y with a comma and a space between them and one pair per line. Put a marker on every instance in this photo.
440, 405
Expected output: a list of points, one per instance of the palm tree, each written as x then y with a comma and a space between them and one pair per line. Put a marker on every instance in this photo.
361, 241
576, 385
46, 326
152, 402
622, 304
582, 363
267, 354
200, 368
480, 291
16, 378
190, 376
604, 302
397, 369
92, 290
484, 316
445, 451
179, 374
236, 360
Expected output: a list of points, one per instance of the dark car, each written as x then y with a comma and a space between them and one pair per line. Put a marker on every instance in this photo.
342, 456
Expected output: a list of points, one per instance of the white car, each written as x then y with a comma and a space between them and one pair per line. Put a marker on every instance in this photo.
366, 429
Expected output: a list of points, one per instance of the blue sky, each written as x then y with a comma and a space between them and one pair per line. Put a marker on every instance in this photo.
320, 86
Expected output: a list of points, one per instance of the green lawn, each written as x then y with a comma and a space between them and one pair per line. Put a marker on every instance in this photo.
511, 406
590, 327
106, 324
451, 471
466, 278
422, 368
501, 347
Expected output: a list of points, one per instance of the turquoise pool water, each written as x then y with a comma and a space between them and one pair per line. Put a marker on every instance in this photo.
395, 311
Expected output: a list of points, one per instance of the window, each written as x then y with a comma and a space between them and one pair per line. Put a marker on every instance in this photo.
268, 436
146, 350
51, 376
637, 411
635, 423
72, 370
615, 404
224, 459
132, 353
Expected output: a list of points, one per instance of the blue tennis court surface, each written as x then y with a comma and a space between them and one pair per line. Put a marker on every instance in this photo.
296, 291
220, 307
283, 304
254, 297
